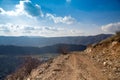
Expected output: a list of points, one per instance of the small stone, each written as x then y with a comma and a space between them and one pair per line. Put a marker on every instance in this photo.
28, 78
105, 63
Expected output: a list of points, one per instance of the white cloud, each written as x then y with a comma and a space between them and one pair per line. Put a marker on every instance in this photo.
19, 10
54, 29
33, 10
66, 19
112, 27
24, 7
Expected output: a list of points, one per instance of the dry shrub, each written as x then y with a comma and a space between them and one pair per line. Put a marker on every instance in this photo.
63, 49
118, 33
25, 69
117, 36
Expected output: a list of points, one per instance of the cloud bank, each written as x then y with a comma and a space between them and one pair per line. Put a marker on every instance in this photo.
112, 27
26, 30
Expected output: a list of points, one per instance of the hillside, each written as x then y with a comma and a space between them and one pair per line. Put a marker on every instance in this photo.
47, 41
99, 61
18, 50
107, 55
76, 66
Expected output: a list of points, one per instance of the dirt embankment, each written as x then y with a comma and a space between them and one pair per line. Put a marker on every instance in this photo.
75, 66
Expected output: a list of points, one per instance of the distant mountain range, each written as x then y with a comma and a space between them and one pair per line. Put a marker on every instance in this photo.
47, 41
17, 50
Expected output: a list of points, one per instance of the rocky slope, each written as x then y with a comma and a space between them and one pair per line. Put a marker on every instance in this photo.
98, 62
107, 55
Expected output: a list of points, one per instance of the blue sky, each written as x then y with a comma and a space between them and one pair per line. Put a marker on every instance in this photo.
53, 18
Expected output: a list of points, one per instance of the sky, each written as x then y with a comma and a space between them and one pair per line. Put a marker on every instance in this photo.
55, 18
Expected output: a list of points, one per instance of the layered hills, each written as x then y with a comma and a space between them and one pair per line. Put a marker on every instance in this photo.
47, 41
100, 61
10, 50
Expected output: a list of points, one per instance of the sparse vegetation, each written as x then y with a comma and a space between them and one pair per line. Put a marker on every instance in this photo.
24, 69
63, 49
107, 55
8, 64
118, 33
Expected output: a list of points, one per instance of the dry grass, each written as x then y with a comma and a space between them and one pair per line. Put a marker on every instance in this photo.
25, 69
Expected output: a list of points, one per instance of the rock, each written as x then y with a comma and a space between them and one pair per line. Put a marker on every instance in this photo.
105, 63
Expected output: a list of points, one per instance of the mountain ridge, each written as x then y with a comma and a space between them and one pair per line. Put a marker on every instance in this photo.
53, 49
44, 41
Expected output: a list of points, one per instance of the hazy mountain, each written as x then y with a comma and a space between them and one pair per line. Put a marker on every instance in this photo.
45, 41
17, 50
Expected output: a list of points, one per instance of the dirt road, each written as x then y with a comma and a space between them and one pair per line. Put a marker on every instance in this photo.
75, 66
84, 67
